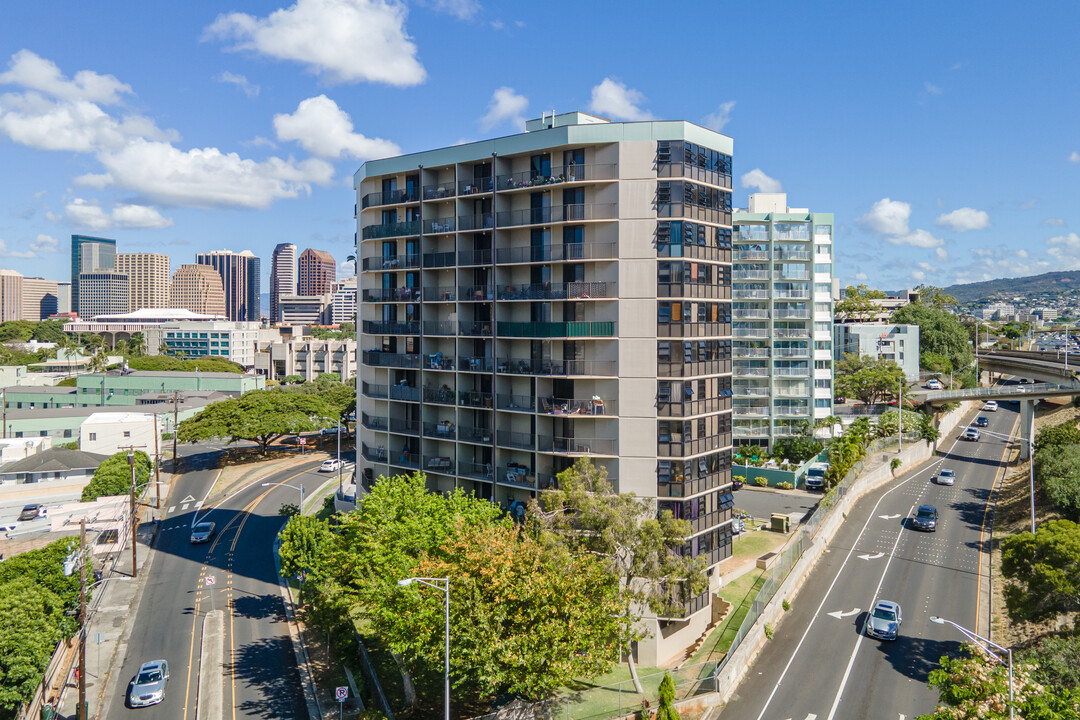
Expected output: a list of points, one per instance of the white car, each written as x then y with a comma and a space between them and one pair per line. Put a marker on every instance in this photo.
946, 477
935, 384
330, 465
990, 406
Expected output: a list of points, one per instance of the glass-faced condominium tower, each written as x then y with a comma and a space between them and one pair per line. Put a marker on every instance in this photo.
783, 317
560, 293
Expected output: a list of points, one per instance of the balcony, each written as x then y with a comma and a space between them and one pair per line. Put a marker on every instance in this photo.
396, 197
750, 411
791, 372
404, 393
386, 295
475, 293
476, 186
750, 314
792, 294
445, 293
437, 226
370, 390
557, 214
750, 275
483, 221
582, 406
468, 258
388, 230
373, 422
409, 460
440, 191
792, 333
441, 431
789, 255
439, 259
791, 352
555, 329
557, 291
440, 396
564, 368
750, 255
793, 315
556, 253
474, 363
394, 360
517, 476
404, 427
519, 403
792, 276
376, 455
578, 446
476, 471
390, 328
446, 328
751, 391
519, 440
557, 176
791, 411
740, 294
477, 435
475, 329
761, 332
750, 352
474, 398
390, 262
437, 361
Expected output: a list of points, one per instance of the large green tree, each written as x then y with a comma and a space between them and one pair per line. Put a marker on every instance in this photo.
940, 331
1064, 434
868, 379
31, 617
261, 416
1044, 570
858, 304
113, 477
641, 549
1057, 468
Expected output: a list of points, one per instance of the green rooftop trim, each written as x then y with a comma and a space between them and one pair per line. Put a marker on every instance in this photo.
815, 217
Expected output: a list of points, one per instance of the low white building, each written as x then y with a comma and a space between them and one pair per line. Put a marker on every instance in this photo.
109, 433
226, 339
55, 466
15, 449
306, 357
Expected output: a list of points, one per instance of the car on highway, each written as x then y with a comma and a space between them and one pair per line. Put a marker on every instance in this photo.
201, 532
934, 384
971, 434
884, 620
330, 465
925, 518
945, 476
148, 686
334, 430
990, 406
32, 512
982, 421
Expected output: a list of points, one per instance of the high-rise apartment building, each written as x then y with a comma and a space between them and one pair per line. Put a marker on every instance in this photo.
11, 295
343, 303
782, 308
40, 299
87, 255
148, 274
63, 298
240, 279
316, 272
197, 288
103, 292
556, 294
282, 277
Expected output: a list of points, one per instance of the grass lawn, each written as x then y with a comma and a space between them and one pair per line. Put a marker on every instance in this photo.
755, 544
740, 593
605, 695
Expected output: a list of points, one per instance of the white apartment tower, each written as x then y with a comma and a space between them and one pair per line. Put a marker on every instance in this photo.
282, 277
782, 319
560, 293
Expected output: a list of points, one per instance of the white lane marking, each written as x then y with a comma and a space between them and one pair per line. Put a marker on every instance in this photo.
872, 557
841, 614
851, 660
171, 508
198, 504
188, 499
902, 716
888, 517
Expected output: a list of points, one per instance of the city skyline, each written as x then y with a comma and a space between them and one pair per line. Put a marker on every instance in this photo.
931, 177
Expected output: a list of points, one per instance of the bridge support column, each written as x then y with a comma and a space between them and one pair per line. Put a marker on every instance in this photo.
1027, 427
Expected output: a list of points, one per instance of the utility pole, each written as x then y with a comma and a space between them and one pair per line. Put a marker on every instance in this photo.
175, 415
4, 394
157, 464
134, 520
82, 619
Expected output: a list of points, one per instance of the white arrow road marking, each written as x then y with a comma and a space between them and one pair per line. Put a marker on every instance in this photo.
889, 517
188, 499
871, 557
841, 614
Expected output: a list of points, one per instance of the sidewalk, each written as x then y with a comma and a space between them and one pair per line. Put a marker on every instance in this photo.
114, 603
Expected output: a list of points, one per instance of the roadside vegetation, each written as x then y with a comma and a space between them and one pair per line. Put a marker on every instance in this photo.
113, 477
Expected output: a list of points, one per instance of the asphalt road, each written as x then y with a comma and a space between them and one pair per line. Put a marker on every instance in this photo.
820, 665
261, 679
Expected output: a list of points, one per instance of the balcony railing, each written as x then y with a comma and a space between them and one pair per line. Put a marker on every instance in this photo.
577, 445
792, 352
390, 262
441, 431
563, 368
796, 333
438, 191
516, 476
520, 440
750, 352
750, 314
750, 255
483, 221
557, 291
522, 403
750, 275
556, 176
475, 329
445, 293
556, 253
404, 427
405, 393
762, 332
439, 259
474, 293
408, 460
386, 230
402, 294
476, 186
373, 391
793, 314
478, 471
555, 329
796, 294
751, 391
791, 372
373, 454
557, 214
475, 435
432, 327
373, 422
439, 225
385, 359
576, 406
475, 363
739, 294
441, 395
789, 255
391, 198
474, 257
372, 327
474, 398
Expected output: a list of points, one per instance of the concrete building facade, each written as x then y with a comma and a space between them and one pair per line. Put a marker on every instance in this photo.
87, 255
63, 298
148, 279
229, 340
316, 272
899, 343
782, 319
282, 277
106, 433
40, 299
103, 292
556, 294
343, 302
306, 309
240, 281
306, 357
11, 295
197, 288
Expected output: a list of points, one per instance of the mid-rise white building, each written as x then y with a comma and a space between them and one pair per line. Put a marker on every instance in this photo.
343, 302
107, 433
899, 343
226, 339
306, 357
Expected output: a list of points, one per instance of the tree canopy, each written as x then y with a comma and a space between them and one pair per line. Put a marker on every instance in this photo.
1064, 434
113, 477
169, 363
261, 416
1044, 569
940, 332
858, 304
1057, 468
868, 379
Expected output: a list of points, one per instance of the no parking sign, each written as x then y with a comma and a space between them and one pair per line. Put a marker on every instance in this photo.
341, 693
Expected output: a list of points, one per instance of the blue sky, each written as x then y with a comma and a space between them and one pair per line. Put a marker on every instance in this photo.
944, 136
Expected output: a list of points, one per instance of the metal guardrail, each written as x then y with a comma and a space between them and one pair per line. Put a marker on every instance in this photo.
1005, 392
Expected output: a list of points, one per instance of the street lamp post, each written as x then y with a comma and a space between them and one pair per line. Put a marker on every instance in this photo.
339, 457
985, 646
294, 487
445, 587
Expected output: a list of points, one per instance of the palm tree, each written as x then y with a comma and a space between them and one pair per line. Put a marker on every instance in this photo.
99, 360
137, 345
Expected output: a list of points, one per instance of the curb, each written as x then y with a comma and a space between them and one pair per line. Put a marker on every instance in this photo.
307, 680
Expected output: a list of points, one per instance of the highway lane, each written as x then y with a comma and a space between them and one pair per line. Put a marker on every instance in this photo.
260, 677
819, 663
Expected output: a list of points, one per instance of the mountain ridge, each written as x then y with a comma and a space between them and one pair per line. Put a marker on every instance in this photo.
1051, 282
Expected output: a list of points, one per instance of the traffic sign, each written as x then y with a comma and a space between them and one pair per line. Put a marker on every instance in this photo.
341, 693
303, 441
209, 579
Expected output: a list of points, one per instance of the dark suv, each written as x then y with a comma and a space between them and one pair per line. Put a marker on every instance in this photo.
925, 518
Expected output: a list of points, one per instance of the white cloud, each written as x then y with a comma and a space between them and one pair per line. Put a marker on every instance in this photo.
343, 41
983, 252
45, 244
36, 73
8, 253
322, 128
1023, 254
346, 268
505, 105
498, 25
942, 254
916, 238
461, 9
88, 214
1065, 249
613, 99
931, 88
860, 276
918, 275
886, 217
717, 120
1028, 204
1054, 221
764, 183
964, 219
925, 266
239, 81
1074, 157
140, 216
